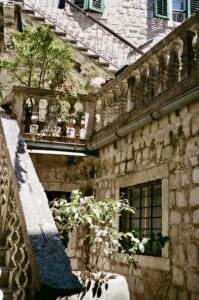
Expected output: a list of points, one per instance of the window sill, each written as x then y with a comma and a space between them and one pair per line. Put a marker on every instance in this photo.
153, 262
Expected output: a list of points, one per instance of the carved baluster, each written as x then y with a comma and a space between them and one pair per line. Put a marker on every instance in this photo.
135, 89
21, 276
124, 96
144, 84
187, 56
98, 114
103, 115
35, 112
110, 99
16, 256
153, 76
116, 103
195, 43
5, 188
174, 63
164, 63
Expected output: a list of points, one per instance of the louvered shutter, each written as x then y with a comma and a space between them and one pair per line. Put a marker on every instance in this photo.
96, 5
161, 9
192, 7
83, 4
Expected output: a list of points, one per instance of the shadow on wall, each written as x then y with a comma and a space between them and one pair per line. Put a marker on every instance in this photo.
19, 170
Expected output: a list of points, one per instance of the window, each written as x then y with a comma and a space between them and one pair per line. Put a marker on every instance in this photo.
147, 220
161, 9
181, 9
90, 5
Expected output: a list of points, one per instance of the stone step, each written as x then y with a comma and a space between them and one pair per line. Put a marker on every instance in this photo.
104, 63
51, 26
5, 294
38, 18
59, 33
92, 55
28, 11
69, 40
81, 48
4, 275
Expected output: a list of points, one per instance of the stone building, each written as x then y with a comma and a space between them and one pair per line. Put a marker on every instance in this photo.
141, 138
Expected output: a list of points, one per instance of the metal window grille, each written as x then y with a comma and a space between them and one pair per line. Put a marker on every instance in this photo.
147, 220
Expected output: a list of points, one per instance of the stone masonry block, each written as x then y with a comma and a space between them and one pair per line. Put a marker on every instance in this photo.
167, 152
174, 119
172, 200
193, 256
118, 157
182, 295
195, 125
187, 126
194, 161
183, 112
158, 137
177, 276
163, 123
178, 258
145, 153
196, 216
181, 200
175, 217
197, 233
146, 130
195, 175
194, 196
192, 281
154, 127
129, 154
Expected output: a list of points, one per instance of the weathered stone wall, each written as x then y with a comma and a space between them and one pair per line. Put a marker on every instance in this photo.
167, 149
64, 173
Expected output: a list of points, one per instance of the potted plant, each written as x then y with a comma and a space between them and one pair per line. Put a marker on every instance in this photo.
99, 239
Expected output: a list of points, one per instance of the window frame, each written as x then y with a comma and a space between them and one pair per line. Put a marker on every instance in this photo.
145, 206
89, 5
156, 4
152, 174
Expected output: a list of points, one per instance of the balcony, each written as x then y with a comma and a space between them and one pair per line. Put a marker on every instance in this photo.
162, 80
51, 120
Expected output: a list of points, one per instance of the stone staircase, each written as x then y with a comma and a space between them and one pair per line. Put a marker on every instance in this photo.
68, 39
5, 292
82, 31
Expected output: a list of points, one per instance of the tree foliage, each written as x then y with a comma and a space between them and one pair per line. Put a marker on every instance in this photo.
97, 220
40, 61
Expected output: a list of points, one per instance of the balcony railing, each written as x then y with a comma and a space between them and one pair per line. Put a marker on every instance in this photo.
39, 268
46, 115
75, 23
168, 70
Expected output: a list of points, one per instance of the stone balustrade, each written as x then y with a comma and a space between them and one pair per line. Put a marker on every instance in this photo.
35, 254
50, 115
169, 64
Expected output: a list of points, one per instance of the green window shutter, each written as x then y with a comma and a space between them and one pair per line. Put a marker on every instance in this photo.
194, 6
83, 4
96, 5
161, 9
